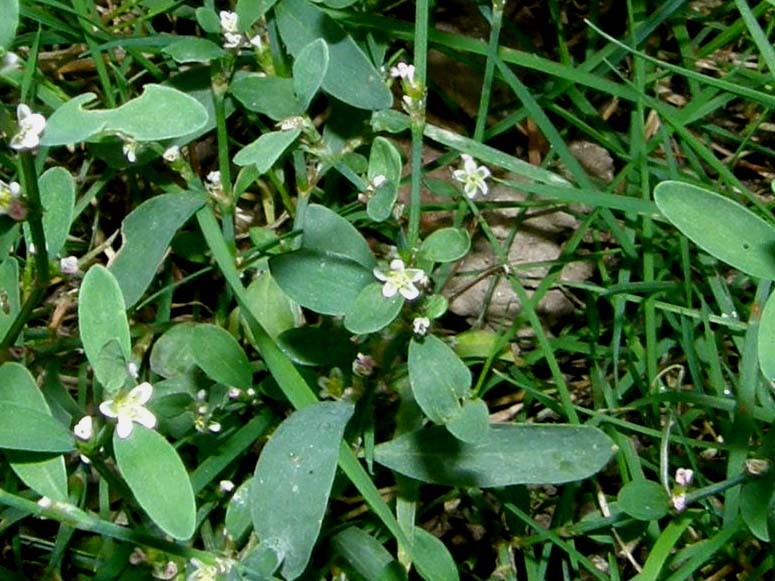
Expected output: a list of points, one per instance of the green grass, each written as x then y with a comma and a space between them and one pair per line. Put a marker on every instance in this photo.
659, 349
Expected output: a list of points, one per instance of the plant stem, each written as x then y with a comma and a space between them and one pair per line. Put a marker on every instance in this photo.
35, 221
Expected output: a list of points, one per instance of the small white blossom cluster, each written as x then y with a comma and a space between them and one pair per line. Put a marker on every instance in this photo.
683, 479
31, 127
413, 100
472, 176
203, 422
401, 280
232, 37
371, 188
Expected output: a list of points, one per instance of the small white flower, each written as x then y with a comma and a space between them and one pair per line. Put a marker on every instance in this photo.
226, 486
84, 429
250, 392
31, 125
171, 154
679, 502
132, 370
403, 71
9, 63
256, 41
214, 179
229, 21
166, 572
214, 427
201, 395
9, 193
472, 176
378, 181
130, 408
68, 265
130, 150
232, 40
400, 279
234, 392
684, 476
363, 365
45, 502
420, 326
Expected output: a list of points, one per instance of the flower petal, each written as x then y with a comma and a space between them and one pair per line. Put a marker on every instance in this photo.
410, 292
389, 290
145, 417
124, 427
109, 409
141, 394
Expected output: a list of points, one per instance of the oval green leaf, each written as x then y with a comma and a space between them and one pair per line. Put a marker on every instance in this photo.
721, 227
238, 520
102, 317
351, 77
266, 150
367, 556
433, 561
146, 233
271, 306
57, 195
644, 500
173, 355
158, 480
9, 293
439, 379
755, 498
220, 356
309, 69
293, 481
327, 231
372, 312
8, 23
45, 475
511, 454
25, 428
385, 161
271, 96
472, 423
194, 50
446, 245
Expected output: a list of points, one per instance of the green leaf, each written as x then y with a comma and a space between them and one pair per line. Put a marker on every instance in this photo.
351, 77
238, 520
332, 267
318, 346
766, 339
193, 50
367, 556
208, 20
251, 10
371, 312
57, 195
266, 150
755, 498
158, 480
446, 245
438, 377
271, 306
385, 161
147, 232
159, 113
391, 121
9, 293
309, 69
644, 500
511, 454
293, 480
102, 317
434, 563
173, 354
45, 475
721, 227
472, 423
220, 356
25, 428
271, 96
9, 22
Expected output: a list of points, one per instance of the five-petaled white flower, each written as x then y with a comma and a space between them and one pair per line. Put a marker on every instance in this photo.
400, 279
8, 193
472, 176
31, 125
128, 408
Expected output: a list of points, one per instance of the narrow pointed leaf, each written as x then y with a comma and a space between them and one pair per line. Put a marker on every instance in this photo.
511, 454
367, 556
293, 480
766, 339
158, 480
